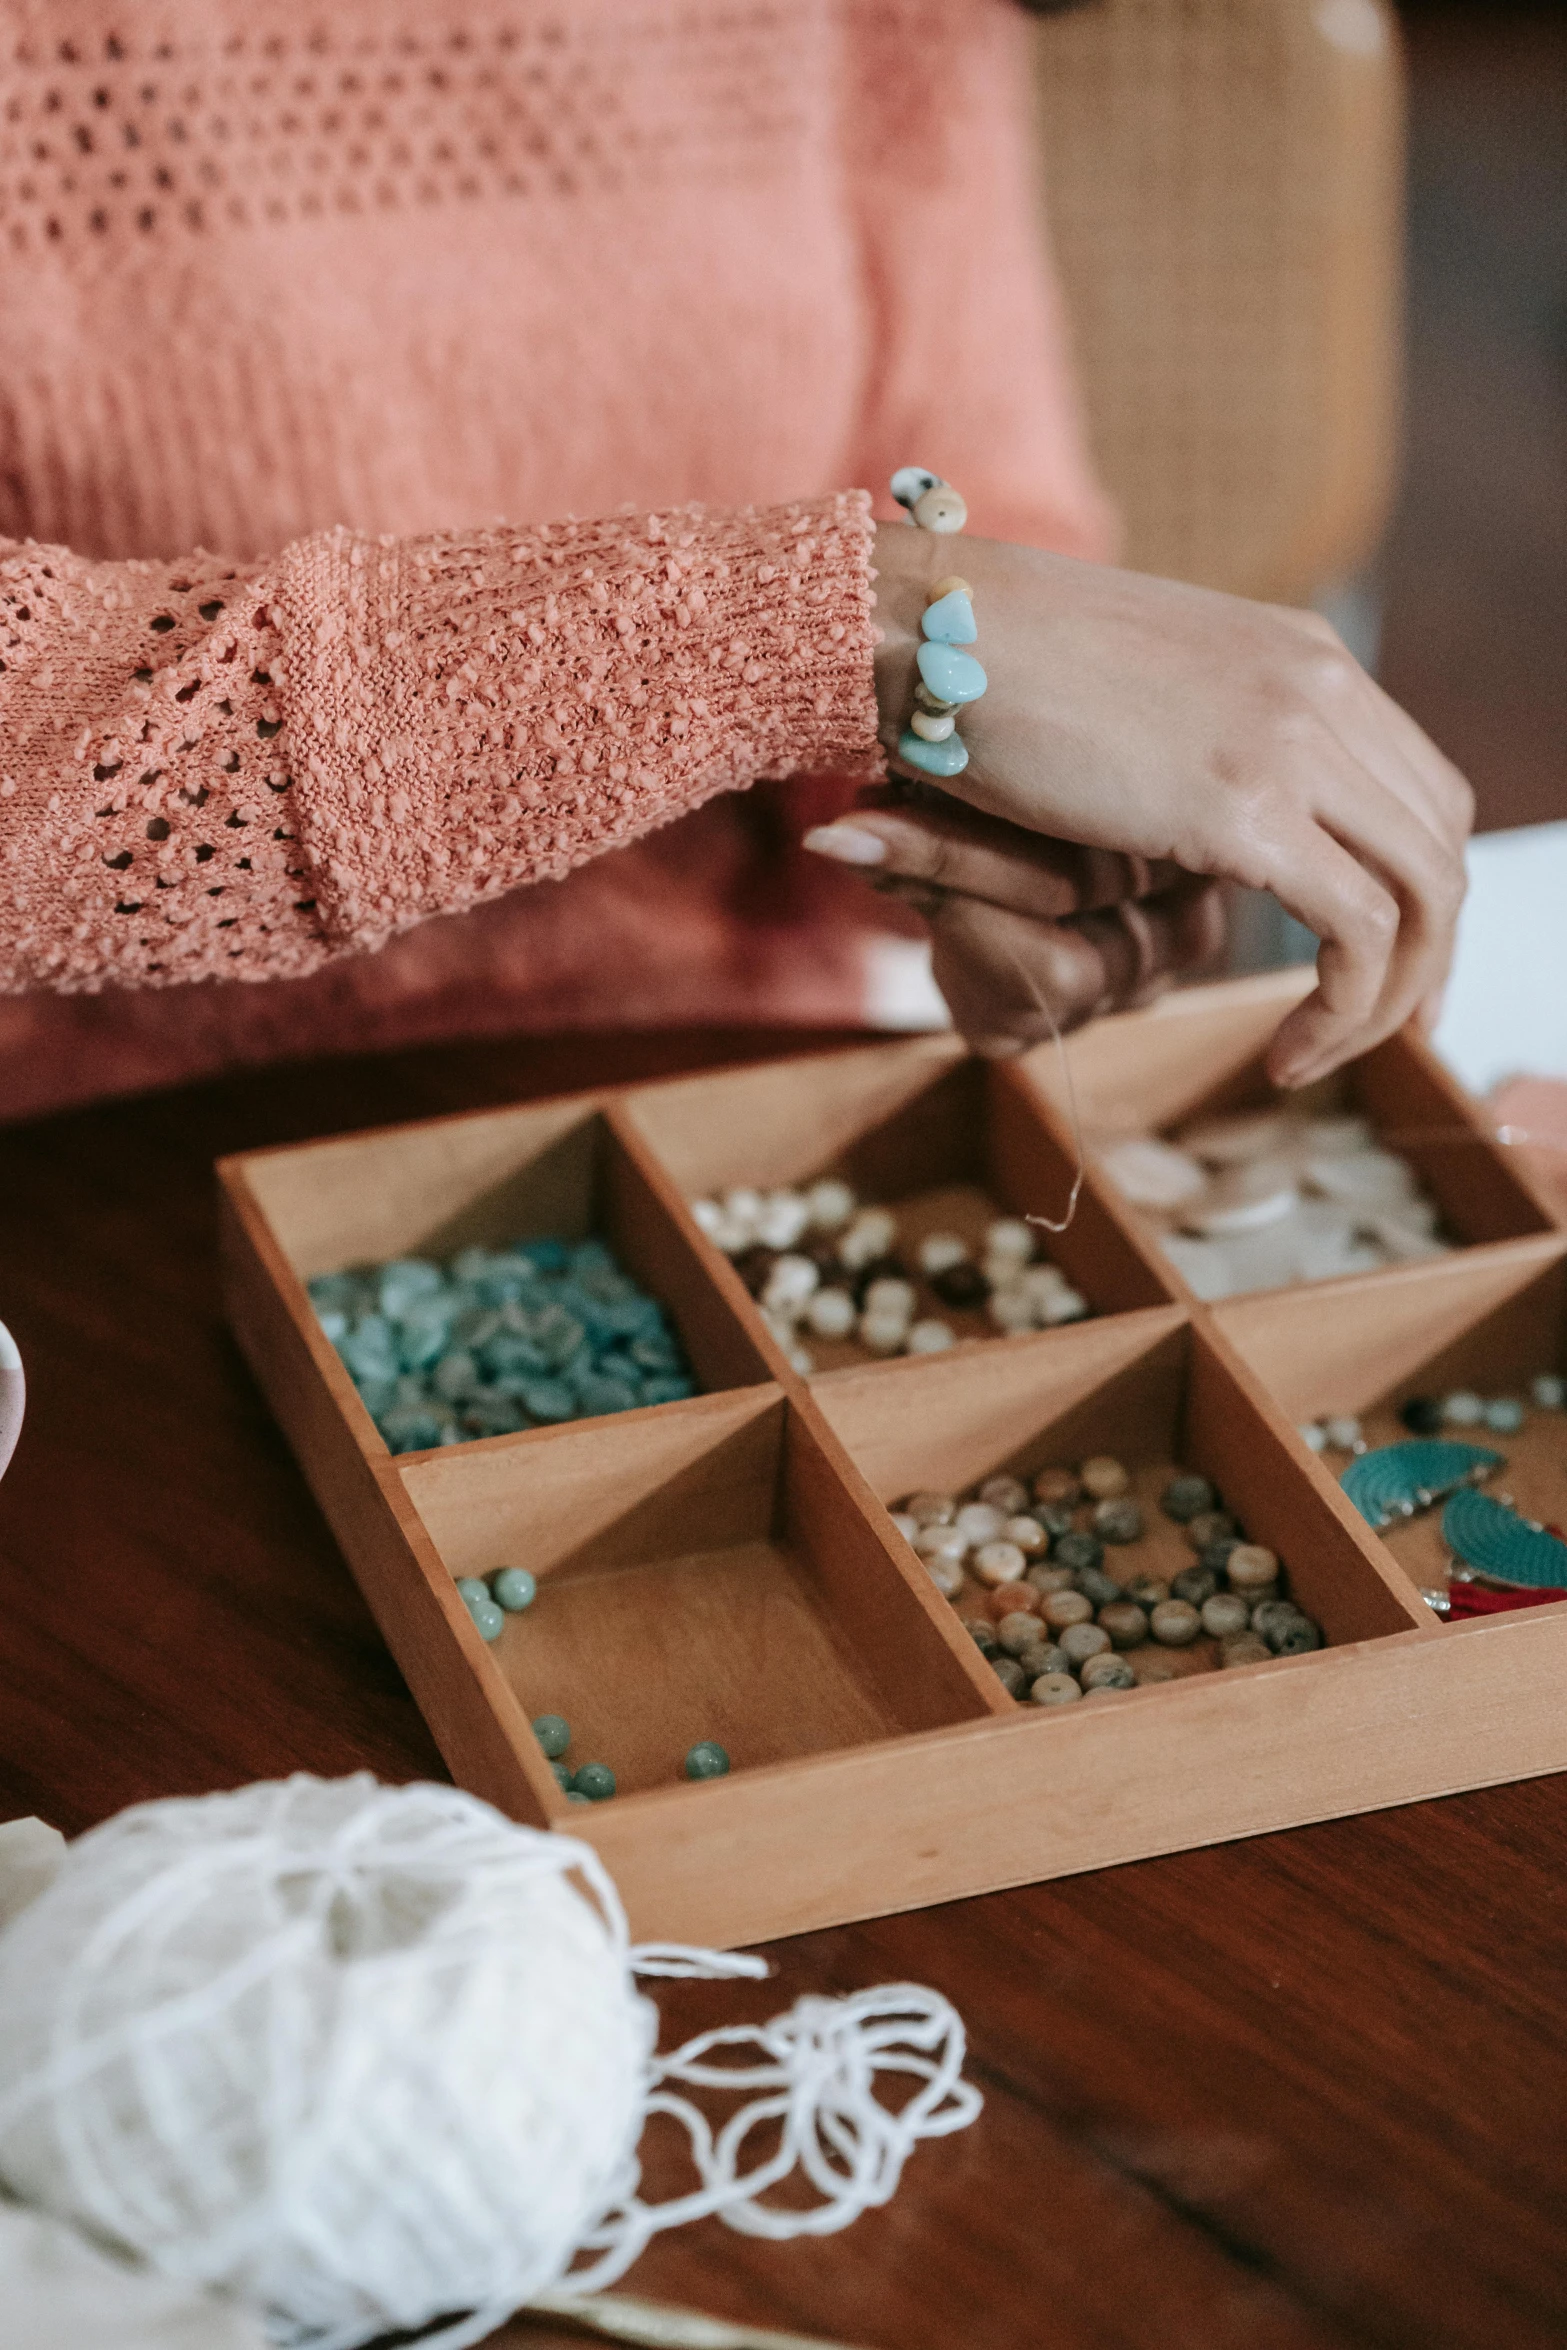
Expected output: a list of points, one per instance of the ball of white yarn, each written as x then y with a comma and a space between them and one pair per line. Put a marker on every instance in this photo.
361, 2056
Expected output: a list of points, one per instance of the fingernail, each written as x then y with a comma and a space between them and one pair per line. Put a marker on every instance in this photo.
847, 843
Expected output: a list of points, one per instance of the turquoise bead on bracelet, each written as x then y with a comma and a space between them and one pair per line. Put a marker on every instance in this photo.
949, 677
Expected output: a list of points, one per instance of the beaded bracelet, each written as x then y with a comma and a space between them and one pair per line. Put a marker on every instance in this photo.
949, 677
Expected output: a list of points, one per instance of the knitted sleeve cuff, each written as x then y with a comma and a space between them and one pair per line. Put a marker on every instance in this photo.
471, 713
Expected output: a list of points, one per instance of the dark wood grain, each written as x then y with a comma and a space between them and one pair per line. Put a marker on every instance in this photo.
1292, 2094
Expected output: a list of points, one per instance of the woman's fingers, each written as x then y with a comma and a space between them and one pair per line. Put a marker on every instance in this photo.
943, 845
1007, 979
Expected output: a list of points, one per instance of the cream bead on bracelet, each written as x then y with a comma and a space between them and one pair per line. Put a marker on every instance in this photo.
949, 677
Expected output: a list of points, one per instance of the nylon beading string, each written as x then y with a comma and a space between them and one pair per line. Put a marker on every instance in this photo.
1041, 1002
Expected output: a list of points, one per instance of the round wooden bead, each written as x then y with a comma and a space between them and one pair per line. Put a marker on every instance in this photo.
1184, 1498
1252, 1568
952, 585
998, 1562
1012, 1599
1125, 1622
1081, 1641
941, 509
1245, 1649
1027, 1533
1225, 1614
1108, 1671
932, 726
1018, 1633
1174, 1623
1007, 1494
1010, 1674
1103, 1478
706, 1760
1061, 1608
1054, 1689
1118, 1520
1057, 1485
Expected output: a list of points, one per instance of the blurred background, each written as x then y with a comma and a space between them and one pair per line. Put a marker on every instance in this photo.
1316, 257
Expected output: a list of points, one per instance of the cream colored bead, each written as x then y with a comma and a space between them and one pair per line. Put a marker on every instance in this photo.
946, 1573
941, 509
930, 728
950, 586
932, 702
999, 1562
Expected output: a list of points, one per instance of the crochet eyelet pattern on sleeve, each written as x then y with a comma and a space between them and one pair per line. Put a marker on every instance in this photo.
305, 757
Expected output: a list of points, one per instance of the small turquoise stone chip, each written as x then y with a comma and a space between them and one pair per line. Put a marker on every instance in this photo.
948, 758
952, 676
553, 1733
950, 620
707, 1760
596, 1781
514, 1589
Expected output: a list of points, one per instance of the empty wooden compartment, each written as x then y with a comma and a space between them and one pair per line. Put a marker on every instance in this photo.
1199, 1053
947, 1141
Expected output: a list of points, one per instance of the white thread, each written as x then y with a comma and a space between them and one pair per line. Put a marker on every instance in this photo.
362, 2057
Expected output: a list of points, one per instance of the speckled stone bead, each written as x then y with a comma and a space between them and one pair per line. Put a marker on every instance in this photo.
945, 1572
1110, 1691
1225, 1614
1043, 1657
1045, 1578
1077, 1551
1215, 1556
553, 1733
514, 1589
931, 1509
1252, 1569
1014, 1599
1147, 1590
983, 1635
1185, 1498
1292, 1635
1054, 1689
1095, 1585
1210, 1526
1010, 1674
1119, 1520
979, 1522
1104, 1478
596, 1781
1174, 1623
1194, 1585
943, 1544
1245, 1649
706, 1760
1018, 1633
1009, 1495
1057, 1485
1126, 1623
942, 509
1422, 1415
1153, 1664
1107, 1671
1028, 1534
1057, 1517
1267, 1612
1081, 1641
998, 1562
1061, 1608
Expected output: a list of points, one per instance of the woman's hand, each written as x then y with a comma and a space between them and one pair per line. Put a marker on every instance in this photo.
1028, 933
1209, 735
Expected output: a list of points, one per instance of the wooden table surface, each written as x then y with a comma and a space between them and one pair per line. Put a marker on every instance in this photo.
1303, 2092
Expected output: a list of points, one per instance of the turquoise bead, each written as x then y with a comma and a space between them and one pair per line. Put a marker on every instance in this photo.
562, 1777
948, 758
950, 621
952, 676
553, 1733
489, 1621
470, 1590
514, 1588
573, 1795
707, 1760
596, 1781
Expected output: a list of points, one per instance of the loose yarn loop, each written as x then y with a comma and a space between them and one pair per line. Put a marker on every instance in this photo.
361, 2057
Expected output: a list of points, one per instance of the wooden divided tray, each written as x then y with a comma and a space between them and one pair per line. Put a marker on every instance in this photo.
725, 1567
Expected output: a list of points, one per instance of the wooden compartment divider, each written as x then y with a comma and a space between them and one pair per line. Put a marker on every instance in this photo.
725, 1566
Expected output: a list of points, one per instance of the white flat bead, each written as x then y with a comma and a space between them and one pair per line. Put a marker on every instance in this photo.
1153, 1174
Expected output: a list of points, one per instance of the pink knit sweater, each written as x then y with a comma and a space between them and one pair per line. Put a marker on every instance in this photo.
334, 289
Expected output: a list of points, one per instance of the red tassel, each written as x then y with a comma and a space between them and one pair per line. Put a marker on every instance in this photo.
1468, 1599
